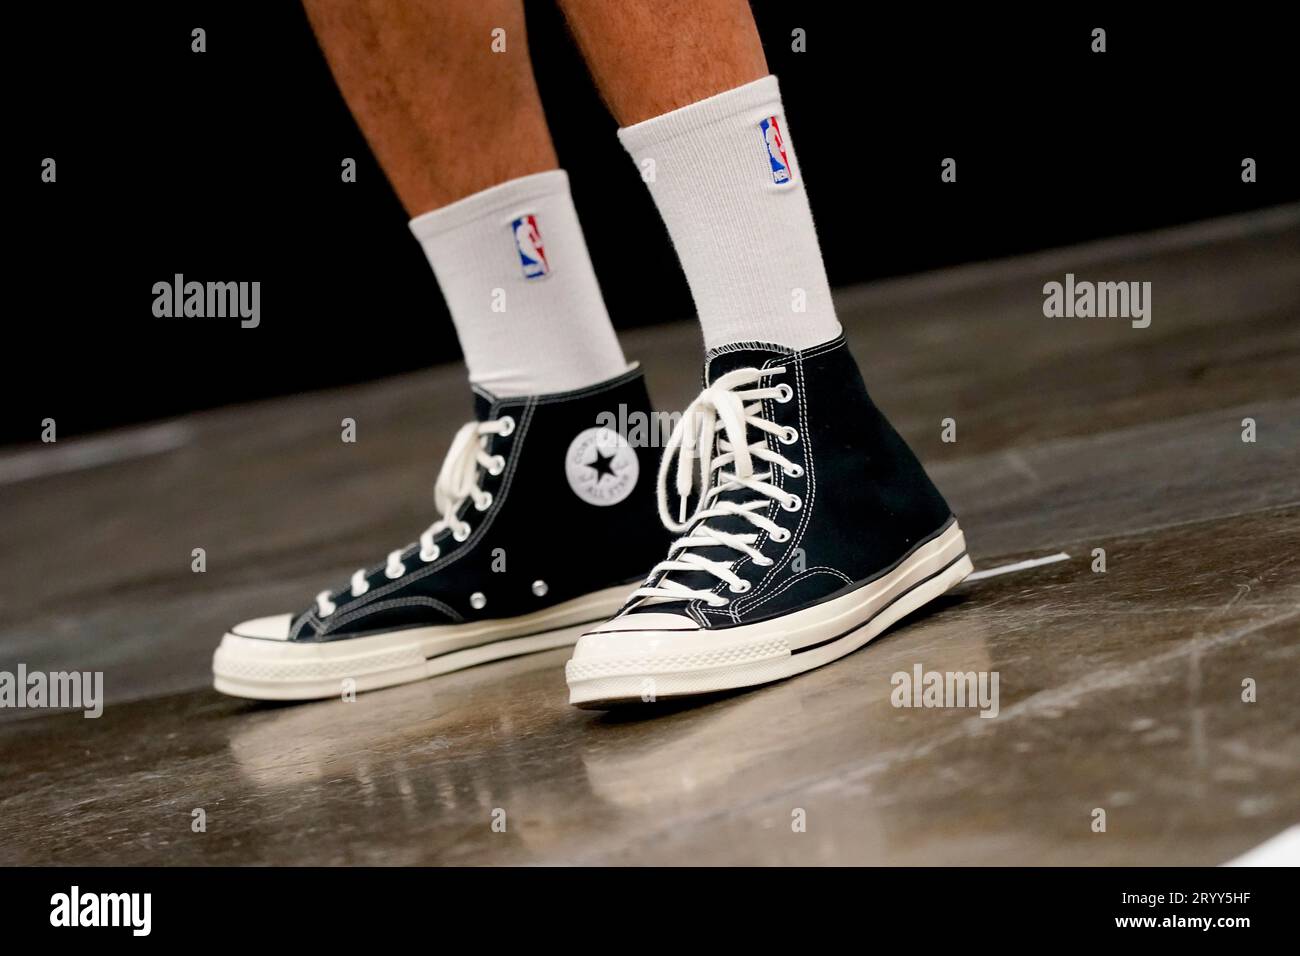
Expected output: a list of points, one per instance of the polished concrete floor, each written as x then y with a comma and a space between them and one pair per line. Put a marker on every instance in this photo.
1119, 690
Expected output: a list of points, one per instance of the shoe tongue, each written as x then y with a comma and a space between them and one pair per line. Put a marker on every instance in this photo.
483, 403
756, 355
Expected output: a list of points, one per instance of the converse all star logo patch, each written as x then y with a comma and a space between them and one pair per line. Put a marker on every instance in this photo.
601, 466
774, 142
528, 241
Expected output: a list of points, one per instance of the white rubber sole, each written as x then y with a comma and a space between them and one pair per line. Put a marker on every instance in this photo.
611, 668
285, 670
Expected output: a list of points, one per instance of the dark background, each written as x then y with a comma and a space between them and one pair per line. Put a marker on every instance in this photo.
225, 166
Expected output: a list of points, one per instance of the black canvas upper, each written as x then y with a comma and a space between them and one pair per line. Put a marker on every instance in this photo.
867, 502
544, 530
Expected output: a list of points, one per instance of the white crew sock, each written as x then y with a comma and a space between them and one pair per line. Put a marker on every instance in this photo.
514, 269
729, 188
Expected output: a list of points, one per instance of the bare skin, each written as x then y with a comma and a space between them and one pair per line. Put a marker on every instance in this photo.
420, 76
652, 56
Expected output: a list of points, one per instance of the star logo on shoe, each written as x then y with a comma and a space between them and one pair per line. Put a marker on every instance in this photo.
601, 466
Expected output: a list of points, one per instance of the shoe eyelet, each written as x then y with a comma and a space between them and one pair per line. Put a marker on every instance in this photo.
498, 465
540, 588
485, 502
507, 425
431, 555
744, 586
794, 471
789, 436
394, 571
782, 537
459, 536
786, 391
793, 503
478, 600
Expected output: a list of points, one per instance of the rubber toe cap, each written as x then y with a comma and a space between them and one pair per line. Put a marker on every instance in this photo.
274, 628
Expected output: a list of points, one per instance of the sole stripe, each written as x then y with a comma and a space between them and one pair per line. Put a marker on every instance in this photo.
898, 597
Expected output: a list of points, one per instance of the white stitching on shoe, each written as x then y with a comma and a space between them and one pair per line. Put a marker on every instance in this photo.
757, 595
795, 579
359, 613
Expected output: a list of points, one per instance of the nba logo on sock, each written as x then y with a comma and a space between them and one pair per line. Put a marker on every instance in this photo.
528, 240
775, 145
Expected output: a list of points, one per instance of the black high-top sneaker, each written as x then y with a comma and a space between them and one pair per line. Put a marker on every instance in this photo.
813, 529
547, 518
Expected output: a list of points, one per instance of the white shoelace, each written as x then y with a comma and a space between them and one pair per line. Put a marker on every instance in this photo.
720, 417
457, 480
